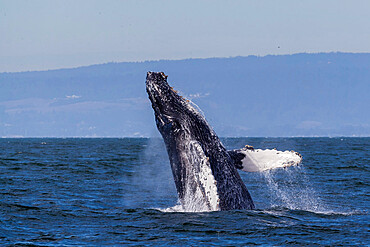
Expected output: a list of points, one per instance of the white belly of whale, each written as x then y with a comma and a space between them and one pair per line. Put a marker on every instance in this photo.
201, 190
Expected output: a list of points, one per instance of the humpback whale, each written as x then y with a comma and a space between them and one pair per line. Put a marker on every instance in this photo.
205, 173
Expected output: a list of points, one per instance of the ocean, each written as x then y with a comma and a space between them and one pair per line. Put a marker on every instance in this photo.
120, 192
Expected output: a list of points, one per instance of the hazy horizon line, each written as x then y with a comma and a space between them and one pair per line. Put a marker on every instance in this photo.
181, 59
153, 137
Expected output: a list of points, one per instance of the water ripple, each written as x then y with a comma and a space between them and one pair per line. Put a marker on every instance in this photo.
94, 192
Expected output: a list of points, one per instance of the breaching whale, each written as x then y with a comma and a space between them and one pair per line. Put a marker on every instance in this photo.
205, 173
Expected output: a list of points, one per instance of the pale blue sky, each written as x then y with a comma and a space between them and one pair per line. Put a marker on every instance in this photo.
40, 35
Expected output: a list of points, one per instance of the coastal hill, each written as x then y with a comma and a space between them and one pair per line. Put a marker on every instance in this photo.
325, 94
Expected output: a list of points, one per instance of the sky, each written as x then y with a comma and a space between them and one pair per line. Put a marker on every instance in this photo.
42, 35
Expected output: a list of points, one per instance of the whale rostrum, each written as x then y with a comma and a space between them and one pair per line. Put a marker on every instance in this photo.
205, 173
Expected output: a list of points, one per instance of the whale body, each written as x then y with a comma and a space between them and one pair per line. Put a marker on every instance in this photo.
205, 173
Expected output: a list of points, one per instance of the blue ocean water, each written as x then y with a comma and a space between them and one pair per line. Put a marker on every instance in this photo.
62, 192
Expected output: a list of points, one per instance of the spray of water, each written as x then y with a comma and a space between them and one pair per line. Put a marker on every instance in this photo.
151, 182
290, 188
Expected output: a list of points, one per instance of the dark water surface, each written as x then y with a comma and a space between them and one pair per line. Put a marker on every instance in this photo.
62, 192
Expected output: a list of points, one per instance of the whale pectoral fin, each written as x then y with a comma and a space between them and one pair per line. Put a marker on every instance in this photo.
254, 160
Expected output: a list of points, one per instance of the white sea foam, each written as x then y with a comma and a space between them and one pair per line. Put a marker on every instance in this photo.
177, 208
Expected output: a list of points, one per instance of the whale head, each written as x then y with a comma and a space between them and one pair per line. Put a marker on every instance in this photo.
176, 115
168, 105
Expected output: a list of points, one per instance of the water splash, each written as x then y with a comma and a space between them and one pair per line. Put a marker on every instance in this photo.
150, 182
290, 188
197, 107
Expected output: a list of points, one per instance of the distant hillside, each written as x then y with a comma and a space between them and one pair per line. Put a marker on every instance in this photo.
292, 95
